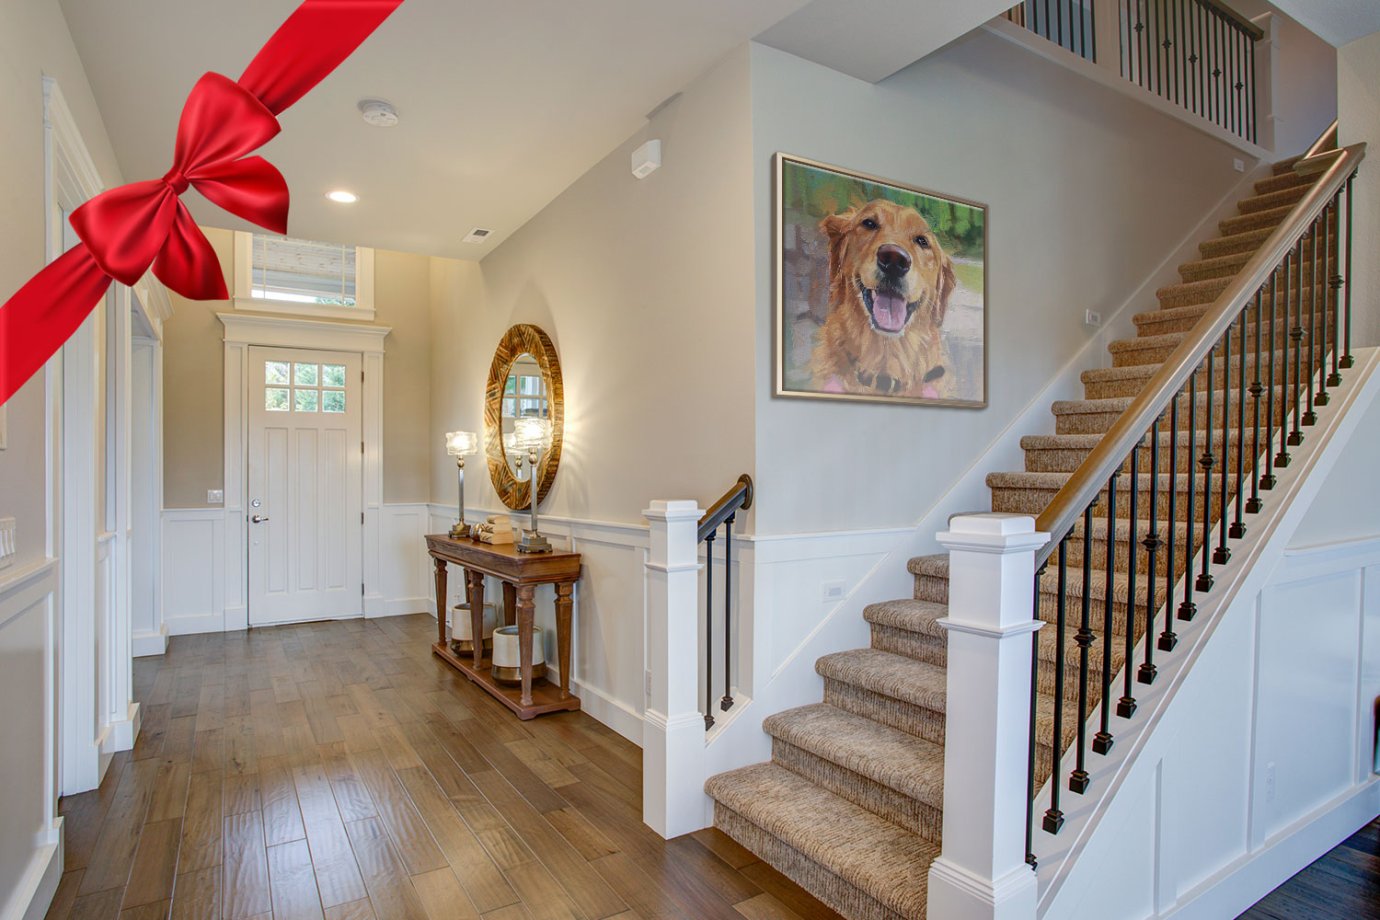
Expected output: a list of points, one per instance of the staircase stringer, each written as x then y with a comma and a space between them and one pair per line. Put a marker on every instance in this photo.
1254, 559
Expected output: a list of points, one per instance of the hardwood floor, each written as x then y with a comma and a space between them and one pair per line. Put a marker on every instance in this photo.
337, 771
1344, 884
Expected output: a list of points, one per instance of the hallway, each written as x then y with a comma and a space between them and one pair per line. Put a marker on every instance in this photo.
338, 770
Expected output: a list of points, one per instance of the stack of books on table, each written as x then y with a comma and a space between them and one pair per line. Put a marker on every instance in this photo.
498, 529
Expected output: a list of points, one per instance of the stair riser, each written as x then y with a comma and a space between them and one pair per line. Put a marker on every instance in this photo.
930, 587
1067, 460
1261, 220
1208, 291
1123, 387
1249, 241
1271, 200
918, 721
899, 809
1034, 501
1101, 422
1159, 323
1233, 256
847, 899
1282, 181
929, 649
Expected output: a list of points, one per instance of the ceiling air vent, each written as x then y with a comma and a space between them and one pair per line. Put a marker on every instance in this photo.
477, 235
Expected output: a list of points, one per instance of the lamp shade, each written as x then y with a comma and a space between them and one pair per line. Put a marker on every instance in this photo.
532, 433
462, 443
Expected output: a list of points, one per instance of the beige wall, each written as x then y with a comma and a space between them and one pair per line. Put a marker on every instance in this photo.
193, 375
1088, 192
1358, 121
646, 289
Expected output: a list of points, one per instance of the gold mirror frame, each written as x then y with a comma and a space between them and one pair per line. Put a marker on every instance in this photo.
522, 338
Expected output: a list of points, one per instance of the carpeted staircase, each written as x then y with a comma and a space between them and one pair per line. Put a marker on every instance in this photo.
850, 806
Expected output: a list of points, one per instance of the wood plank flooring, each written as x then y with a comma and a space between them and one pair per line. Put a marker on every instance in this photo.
1344, 884
338, 771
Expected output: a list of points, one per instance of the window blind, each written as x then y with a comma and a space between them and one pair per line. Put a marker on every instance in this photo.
305, 271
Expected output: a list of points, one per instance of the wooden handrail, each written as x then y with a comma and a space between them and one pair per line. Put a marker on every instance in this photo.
1064, 510
738, 498
1236, 19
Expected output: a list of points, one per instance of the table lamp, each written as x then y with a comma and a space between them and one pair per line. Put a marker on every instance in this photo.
533, 435
461, 444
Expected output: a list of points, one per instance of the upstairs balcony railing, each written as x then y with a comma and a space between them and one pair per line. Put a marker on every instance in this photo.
1198, 54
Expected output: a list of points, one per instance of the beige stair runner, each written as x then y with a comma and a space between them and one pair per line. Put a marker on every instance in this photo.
850, 805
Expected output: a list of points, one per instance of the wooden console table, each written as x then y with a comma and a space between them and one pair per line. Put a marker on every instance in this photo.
520, 574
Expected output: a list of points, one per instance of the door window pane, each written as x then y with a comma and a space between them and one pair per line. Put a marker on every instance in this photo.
332, 400
306, 375
332, 375
305, 400
276, 399
276, 372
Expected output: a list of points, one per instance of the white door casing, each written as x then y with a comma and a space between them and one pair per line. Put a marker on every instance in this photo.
304, 518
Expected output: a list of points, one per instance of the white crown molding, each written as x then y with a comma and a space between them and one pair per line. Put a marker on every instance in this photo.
292, 332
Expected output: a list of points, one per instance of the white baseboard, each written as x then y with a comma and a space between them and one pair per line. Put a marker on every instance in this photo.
33, 895
147, 644
192, 625
122, 733
1229, 893
403, 606
603, 708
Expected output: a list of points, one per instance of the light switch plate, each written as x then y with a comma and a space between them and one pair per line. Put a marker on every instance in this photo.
8, 546
215, 496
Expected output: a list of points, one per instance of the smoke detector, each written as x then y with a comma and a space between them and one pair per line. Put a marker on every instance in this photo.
477, 235
378, 113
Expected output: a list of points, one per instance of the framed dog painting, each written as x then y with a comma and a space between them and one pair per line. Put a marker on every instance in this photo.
880, 289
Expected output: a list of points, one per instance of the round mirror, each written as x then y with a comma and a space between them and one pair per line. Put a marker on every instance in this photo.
524, 384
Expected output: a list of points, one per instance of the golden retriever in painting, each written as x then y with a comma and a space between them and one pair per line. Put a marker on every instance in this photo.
889, 286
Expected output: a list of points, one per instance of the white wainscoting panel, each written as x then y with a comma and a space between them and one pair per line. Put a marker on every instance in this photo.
194, 565
31, 845
404, 578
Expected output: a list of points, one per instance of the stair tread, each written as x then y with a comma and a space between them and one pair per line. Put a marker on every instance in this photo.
1036, 442
937, 566
870, 853
920, 617
888, 674
885, 755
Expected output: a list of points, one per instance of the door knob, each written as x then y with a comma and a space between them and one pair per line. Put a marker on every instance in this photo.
258, 519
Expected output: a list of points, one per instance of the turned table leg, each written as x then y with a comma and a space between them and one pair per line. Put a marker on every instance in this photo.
525, 611
564, 606
476, 582
440, 600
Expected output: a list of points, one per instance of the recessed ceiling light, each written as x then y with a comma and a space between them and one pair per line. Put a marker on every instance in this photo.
343, 197
378, 113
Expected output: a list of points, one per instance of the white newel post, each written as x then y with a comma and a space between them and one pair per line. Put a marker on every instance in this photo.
981, 873
673, 799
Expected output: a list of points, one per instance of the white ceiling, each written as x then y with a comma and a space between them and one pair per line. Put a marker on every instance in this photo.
503, 103
1336, 21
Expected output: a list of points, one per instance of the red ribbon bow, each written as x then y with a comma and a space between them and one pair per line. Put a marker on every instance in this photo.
130, 229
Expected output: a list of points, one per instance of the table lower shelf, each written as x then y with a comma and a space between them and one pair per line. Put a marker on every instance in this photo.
546, 696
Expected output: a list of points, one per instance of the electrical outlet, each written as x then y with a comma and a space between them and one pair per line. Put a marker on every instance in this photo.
831, 591
215, 496
8, 546
1092, 318
1270, 781
1239, 165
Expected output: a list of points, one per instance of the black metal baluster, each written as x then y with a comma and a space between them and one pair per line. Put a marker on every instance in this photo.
1253, 114
1187, 609
1334, 283
1143, 27
1206, 463
1282, 458
1126, 706
1078, 779
1238, 527
1238, 84
1102, 740
709, 632
1059, 20
1309, 416
1168, 639
1178, 18
1124, 26
1268, 480
1159, 48
1146, 672
1222, 554
1092, 27
1347, 359
1253, 504
1034, 697
1296, 338
1054, 818
727, 702
1323, 282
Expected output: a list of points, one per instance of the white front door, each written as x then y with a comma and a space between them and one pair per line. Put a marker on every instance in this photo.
305, 460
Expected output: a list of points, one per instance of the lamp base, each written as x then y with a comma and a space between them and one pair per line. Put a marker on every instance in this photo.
460, 531
533, 542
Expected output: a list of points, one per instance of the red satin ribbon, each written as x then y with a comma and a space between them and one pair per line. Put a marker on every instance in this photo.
130, 229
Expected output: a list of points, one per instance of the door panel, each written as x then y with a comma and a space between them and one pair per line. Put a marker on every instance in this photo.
305, 485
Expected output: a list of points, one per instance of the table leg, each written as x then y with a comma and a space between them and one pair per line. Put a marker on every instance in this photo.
476, 581
440, 600
564, 606
509, 603
525, 611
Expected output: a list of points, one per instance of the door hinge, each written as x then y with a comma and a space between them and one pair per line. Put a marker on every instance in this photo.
361, 589
361, 448
361, 376
361, 517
